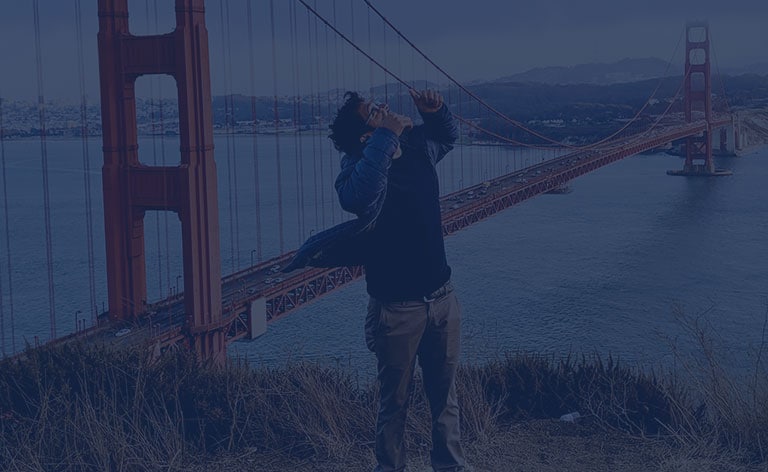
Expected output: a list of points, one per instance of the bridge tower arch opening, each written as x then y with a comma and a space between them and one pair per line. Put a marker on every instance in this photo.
132, 188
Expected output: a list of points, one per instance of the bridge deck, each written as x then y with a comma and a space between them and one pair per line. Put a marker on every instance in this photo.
163, 324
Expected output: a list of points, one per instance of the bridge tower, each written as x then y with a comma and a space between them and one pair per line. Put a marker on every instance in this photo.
131, 188
698, 97
698, 102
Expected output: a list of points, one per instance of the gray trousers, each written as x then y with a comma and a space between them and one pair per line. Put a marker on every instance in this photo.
397, 333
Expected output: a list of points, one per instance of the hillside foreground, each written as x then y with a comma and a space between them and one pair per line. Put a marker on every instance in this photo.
89, 408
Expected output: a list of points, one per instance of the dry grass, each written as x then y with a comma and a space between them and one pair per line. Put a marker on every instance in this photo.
78, 408
733, 411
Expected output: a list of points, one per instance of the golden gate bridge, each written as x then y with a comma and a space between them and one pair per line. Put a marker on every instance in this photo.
214, 309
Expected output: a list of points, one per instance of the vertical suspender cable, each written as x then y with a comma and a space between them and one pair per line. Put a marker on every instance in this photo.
319, 155
162, 163
719, 74
2, 300
413, 75
277, 125
399, 71
86, 161
336, 49
297, 125
7, 231
227, 112
384, 48
453, 161
461, 141
44, 153
355, 76
257, 190
328, 95
370, 49
314, 113
231, 136
153, 117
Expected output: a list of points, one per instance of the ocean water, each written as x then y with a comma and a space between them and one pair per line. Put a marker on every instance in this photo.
601, 270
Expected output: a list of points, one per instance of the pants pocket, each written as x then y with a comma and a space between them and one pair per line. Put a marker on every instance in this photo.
372, 321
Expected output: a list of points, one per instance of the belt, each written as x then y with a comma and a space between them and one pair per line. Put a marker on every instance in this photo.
440, 292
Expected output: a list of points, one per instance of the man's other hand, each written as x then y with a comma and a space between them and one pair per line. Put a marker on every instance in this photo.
427, 101
395, 123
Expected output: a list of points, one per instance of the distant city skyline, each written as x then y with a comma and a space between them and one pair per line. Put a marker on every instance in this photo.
482, 39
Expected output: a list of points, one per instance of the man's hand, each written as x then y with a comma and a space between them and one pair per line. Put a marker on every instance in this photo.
427, 101
383, 118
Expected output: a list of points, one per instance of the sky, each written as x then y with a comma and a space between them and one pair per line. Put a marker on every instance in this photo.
469, 39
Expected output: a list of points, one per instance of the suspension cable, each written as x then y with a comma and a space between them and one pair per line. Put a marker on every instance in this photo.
393, 75
494, 110
163, 164
471, 94
297, 123
44, 153
314, 112
277, 134
7, 231
153, 118
328, 97
645, 105
231, 136
719, 75
86, 161
321, 158
355, 75
227, 112
257, 192
449, 77
370, 47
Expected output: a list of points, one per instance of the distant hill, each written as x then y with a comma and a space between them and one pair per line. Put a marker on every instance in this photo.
623, 71
759, 68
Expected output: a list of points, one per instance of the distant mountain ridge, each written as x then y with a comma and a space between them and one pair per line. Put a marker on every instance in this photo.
760, 68
623, 71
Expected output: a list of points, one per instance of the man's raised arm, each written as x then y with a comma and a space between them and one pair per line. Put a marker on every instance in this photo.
439, 124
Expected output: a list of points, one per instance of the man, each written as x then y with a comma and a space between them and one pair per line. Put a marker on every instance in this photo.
388, 179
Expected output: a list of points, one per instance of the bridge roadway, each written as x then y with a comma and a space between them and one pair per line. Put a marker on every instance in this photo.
163, 323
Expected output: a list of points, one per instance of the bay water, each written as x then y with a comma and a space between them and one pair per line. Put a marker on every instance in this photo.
602, 269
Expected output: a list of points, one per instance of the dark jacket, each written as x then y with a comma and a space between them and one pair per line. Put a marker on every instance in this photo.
362, 189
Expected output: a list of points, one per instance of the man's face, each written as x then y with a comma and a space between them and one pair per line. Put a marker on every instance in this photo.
366, 110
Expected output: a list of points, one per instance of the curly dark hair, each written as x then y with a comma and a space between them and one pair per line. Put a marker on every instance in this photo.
348, 126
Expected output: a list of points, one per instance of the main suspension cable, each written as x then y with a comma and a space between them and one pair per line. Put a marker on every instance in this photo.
392, 74
493, 109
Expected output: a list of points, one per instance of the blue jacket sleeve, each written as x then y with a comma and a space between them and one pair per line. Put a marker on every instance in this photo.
440, 128
363, 180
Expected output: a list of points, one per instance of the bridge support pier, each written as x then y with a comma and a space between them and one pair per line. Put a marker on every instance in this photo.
257, 318
131, 188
